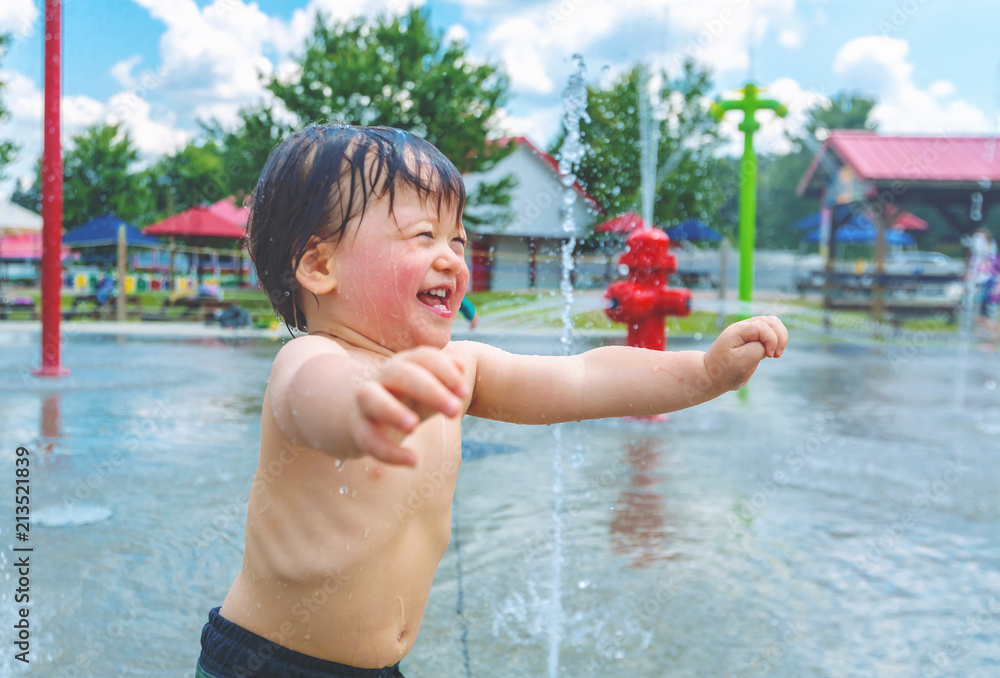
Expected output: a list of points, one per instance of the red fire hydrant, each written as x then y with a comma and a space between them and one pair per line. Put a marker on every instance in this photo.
643, 301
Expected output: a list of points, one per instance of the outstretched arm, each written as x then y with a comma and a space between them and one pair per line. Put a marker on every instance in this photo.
615, 381
323, 398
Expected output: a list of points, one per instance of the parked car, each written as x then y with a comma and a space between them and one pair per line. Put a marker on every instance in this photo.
923, 263
809, 269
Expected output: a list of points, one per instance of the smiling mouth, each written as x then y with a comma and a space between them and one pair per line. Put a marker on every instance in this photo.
438, 299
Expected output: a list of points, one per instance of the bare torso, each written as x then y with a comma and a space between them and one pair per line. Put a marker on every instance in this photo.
339, 559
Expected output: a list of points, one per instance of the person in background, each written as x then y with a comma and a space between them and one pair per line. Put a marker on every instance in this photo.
105, 290
208, 291
468, 312
983, 267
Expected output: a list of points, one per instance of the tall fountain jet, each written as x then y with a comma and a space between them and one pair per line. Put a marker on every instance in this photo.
571, 152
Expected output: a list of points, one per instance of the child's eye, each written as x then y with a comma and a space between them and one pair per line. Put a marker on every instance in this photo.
461, 241
427, 233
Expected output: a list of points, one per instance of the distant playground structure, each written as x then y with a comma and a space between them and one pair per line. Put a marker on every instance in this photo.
864, 183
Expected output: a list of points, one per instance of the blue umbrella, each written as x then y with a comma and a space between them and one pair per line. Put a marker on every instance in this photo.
860, 234
693, 230
104, 231
837, 213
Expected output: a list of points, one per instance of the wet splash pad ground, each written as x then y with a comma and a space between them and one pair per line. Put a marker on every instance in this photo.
840, 518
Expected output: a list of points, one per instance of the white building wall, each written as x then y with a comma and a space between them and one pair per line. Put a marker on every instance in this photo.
535, 207
535, 201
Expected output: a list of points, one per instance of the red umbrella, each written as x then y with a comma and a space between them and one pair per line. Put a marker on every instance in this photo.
199, 221
230, 211
623, 223
905, 221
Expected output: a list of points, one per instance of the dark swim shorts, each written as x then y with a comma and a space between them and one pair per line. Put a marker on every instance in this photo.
230, 651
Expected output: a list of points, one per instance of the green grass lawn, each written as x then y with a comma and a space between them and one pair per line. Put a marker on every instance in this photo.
507, 304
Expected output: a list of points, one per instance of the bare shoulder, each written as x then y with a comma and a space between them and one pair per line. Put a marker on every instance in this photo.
292, 361
302, 369
300, 349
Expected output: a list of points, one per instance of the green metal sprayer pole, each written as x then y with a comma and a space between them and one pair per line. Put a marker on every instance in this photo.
748, 218
749, 104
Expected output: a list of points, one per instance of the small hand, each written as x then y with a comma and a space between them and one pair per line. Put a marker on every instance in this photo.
412, 386
735, 354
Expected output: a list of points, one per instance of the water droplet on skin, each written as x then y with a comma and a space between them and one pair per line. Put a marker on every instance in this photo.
367, 530
344, 489
347, 546
340, 464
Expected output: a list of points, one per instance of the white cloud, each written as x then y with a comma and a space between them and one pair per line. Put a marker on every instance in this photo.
456, 33
122, 71
790, 38
151, 136
214, 54
942, 89
215, 60
211, 60
19, 18
536, 40
878, 65
540, 125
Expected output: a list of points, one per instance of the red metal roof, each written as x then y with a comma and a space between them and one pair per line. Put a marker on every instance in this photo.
230, 211
554, 165
623, 223
911, 158
25, 246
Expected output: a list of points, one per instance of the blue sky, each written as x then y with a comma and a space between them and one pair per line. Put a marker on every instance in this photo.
159, 65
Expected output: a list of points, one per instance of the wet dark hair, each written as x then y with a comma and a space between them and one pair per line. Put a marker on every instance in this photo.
317, 180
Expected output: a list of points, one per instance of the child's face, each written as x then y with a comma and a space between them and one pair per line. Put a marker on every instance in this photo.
402, 277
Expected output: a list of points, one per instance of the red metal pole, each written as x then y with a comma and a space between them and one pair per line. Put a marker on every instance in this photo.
52, 196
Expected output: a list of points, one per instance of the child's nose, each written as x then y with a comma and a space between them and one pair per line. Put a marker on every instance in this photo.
449, 260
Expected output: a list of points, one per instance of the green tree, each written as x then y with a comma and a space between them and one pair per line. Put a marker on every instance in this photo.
397, 71
8, 151
29, 196
779, 175
98, 177
243, 150
691, 181
193, 175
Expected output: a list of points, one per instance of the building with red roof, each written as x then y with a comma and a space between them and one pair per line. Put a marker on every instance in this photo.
881, 175
520, 249
946, 172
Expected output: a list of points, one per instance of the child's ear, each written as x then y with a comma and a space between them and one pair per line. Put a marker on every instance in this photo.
317, 271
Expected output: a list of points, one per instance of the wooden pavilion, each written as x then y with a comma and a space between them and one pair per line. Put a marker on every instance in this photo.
881, 176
